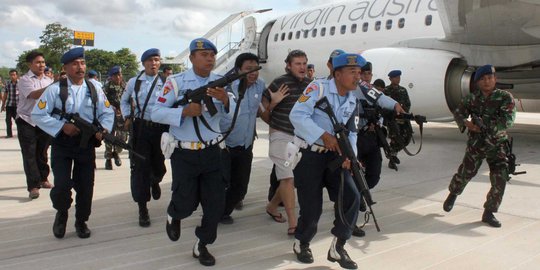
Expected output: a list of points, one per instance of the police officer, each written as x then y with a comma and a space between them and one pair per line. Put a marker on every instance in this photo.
196, 161
145, 175
400, 134
92, 77
369, 152
240, 141
74, 165
318, 148
310, 72
114, 88
493, 112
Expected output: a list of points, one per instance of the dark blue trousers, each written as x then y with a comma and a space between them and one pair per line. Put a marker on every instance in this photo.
369, 153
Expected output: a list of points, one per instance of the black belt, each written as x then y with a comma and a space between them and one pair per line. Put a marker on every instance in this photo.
147, 123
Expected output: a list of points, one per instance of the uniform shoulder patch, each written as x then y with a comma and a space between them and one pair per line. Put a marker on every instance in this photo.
107, 103
42, 104
311, 87
167, 87
303, 98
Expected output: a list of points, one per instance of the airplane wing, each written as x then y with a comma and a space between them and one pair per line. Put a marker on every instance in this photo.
491, 22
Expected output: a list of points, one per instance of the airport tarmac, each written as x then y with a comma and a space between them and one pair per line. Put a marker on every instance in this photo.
416, 232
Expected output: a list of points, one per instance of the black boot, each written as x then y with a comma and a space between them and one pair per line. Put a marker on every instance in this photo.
108, 164
156, 191
201, 252
449, 202
59, 226
117, 160
144, 218
392, 165
173, 228
82, 229
358, 232
490, 219
302, 251
337, 253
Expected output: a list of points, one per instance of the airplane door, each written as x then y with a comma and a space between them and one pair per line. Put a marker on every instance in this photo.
262, 49
250, 26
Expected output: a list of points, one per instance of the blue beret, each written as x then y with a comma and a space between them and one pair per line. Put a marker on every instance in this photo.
114, 70
335, 53
483, 70
149, 53
348, 60
202, 44
72, 54
394, 73
92, 73
310, 66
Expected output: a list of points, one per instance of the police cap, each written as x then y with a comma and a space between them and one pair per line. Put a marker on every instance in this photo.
114, 70
348, 60
149, 53
310, 66
72, 54
335, 53
92, 73
483, 70
202, 44
394, 73
367, 67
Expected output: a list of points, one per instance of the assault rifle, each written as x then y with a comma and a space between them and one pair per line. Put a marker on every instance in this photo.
347, 151
89, 129
199, 94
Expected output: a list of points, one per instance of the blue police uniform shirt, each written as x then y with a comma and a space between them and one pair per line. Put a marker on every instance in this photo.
182, 128
244, 129
311, 123
383, 101
79, 101
146, 83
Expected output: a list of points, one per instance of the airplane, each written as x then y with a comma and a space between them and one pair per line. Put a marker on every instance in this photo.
437, 44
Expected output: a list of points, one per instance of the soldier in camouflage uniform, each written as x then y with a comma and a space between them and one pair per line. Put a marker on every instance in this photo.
399, 130
114, 88
492, 111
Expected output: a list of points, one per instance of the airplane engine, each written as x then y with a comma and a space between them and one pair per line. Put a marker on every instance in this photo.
436, 80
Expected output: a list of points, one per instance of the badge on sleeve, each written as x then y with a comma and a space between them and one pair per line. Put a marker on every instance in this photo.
167, 87
42, 104
312, 87
303, 98
161, 99
107, 103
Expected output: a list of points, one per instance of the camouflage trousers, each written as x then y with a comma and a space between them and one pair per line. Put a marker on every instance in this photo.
118, 132
400, 134
498, 172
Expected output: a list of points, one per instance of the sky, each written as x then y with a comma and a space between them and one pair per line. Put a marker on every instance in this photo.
135, 24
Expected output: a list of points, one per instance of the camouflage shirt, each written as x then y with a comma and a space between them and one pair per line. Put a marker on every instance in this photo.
497, 112
114, 93
399, 94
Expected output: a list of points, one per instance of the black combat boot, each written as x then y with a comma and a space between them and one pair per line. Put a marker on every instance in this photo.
108, 164
59, 225
449, 202
173, 228
201, 252
490, 219
144, 218
302, 251
117, 160
337, 253
358, 232
82, 229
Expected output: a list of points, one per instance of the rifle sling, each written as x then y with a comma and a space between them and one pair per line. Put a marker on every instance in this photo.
421, 127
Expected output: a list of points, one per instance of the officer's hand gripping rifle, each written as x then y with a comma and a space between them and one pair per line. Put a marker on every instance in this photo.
200, 94
347, 151
88, 130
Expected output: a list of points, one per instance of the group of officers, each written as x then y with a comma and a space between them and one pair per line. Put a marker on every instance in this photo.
213, 172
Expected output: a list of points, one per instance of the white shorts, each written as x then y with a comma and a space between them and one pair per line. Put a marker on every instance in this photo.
278, 153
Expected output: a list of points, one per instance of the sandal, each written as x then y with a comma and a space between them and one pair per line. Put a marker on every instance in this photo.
291, 231
277, 218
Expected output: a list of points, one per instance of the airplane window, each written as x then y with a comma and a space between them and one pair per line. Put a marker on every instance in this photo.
282, 36
332, 30
377, 25
298, 34
323, 31
276, 37
388, 24
306, 33
365, 27
289, 36
401, 23
314, 33
343, 29
429, 18
353, 28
